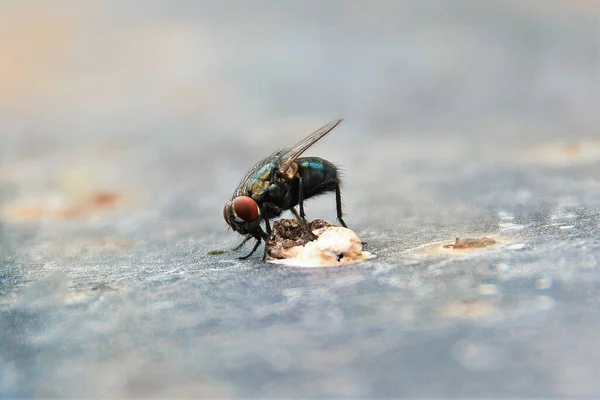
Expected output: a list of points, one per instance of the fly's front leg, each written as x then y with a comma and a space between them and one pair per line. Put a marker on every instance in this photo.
253, 250
239, 246
338, 204
259, 235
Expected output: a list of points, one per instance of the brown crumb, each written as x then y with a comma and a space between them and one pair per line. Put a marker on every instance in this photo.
470, 243
321, 245
288, 233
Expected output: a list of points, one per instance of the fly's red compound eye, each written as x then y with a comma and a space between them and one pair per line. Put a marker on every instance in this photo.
246, 208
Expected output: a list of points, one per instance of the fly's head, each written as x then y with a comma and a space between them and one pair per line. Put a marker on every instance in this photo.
242, 214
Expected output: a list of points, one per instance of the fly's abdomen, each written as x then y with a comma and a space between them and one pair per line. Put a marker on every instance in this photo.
318, 176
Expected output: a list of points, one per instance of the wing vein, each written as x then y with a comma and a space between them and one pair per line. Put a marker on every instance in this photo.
294, 152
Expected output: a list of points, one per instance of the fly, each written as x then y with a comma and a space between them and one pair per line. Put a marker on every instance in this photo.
281, 182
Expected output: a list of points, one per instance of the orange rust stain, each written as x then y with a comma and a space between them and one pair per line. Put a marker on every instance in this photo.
96, 202
573, 149
470, 243
104, 199
28, 212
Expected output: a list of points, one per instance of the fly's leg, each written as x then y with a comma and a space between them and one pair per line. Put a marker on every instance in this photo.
239, 246
253, 250
293, 210
301, 200
338, 207
268, 229
301, 204
266, 236
259, 235
338, 204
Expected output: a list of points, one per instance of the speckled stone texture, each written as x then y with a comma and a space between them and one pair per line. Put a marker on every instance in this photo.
125, 126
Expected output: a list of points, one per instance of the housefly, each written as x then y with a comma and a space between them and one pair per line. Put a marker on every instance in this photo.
281, 182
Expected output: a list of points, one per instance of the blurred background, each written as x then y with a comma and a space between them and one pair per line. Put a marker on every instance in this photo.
125, 126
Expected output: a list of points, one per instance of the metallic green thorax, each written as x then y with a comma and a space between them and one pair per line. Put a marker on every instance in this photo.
260, 180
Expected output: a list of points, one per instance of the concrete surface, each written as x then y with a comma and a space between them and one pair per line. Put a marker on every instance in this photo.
126, 126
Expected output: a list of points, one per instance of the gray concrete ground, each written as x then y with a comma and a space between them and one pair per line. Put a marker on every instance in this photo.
126, 126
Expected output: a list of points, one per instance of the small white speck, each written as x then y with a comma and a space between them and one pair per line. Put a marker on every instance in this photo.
564, 216
487, 289
505, 216
564, 227
543, 283
509, 226
516, 246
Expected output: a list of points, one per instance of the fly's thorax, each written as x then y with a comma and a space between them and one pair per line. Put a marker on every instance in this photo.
259, 181
256, 188
265, 172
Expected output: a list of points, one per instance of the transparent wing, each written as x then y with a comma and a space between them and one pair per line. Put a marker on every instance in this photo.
243, 188
290, 155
